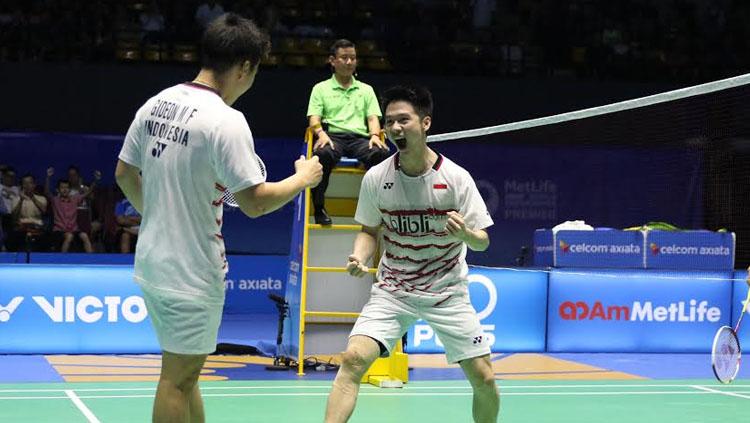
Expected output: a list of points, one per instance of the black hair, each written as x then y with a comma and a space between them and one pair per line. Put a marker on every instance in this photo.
231, 39
62, 181
28, 175
341, 43
419, 97
74, 167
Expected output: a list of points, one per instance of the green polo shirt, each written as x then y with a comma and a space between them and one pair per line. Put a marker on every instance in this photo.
344, 110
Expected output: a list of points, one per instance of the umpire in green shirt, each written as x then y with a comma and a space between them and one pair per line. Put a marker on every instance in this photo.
346, 117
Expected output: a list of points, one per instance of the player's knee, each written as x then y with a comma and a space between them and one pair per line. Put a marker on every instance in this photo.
184, 382
484, 382
354, 362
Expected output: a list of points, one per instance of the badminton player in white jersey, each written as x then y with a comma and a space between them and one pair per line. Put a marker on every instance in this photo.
185, 147
430, 211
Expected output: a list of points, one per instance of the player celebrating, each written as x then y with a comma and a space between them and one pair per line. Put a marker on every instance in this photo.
430, 211
185, 147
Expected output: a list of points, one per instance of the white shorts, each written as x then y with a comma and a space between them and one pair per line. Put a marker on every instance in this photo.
386, 318
184, 324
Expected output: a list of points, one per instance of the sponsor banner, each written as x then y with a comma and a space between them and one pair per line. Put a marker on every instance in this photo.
292, 321
51, 309
527, 186
544, 246
11, 257
700, 250
511, 306
79, 258
636, 310
249, 281
739, 294
599, 248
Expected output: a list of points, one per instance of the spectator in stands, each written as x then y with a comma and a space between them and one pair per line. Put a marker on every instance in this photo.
345, 116
271, 21
86, 221
27, 216
128, 222
9, 194
152, 24
65, 211
207, 12
3, 211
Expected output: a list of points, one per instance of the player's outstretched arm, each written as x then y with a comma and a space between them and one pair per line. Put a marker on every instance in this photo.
128, 177
267, 197
364, 247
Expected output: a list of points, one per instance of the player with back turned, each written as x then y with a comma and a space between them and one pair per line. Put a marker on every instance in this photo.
184, 149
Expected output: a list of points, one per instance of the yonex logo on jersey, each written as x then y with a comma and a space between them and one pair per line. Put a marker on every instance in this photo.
477, 340
6, 311
158, 149
388, 185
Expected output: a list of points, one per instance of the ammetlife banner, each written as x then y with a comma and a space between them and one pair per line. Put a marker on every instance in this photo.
511, 305
607, 310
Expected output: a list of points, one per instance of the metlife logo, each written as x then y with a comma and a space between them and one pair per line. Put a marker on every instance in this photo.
646, 311
86, 309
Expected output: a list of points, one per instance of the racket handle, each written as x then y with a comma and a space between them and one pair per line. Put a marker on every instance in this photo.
742, 314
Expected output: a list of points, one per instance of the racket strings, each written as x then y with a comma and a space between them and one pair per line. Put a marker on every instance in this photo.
726, 355
228, 198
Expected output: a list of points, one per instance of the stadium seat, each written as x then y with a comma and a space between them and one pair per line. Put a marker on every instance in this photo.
272, 60
185, 53
297, 60
287, 45
315, 46
128, 54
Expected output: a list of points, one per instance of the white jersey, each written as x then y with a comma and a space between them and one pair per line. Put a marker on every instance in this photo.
190, 147
420, 259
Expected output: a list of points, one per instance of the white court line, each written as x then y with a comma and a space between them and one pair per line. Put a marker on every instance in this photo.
414, 394
367, 387
82, 407
716, 391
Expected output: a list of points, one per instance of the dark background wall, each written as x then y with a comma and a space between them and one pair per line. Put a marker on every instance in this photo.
102, 98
